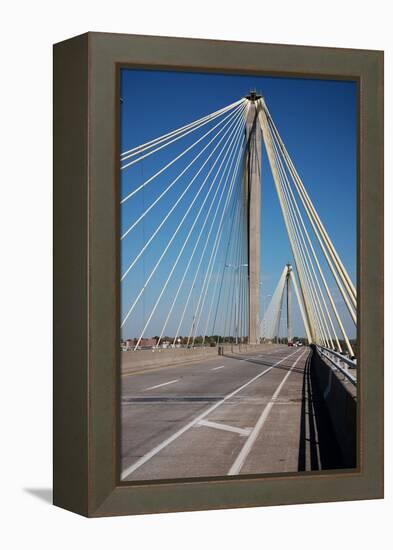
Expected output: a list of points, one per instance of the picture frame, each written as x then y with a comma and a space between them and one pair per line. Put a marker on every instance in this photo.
86, 477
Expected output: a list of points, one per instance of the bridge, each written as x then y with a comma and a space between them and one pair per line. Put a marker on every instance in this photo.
213, 382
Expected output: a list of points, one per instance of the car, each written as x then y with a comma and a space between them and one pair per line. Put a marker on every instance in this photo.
290, 344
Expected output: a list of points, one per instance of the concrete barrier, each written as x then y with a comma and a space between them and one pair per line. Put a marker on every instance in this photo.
148, 359
233, 349
131, 361
341, 401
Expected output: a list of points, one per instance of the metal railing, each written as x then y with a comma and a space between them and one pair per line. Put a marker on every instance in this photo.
336, 358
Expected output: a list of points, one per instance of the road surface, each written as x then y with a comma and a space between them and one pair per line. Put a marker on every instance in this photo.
230, 415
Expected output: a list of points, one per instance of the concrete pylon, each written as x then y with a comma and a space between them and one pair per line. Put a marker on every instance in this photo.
252, 196
289, 304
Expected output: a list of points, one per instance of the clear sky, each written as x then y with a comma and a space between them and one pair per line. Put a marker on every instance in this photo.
317, 122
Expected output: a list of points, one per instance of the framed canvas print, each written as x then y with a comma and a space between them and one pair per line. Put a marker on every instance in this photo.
218, 274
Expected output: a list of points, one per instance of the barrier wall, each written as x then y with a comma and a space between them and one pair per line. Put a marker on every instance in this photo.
144, 359
340, 398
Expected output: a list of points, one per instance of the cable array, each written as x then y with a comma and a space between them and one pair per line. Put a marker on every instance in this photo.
185, 238
321, 313
207, 191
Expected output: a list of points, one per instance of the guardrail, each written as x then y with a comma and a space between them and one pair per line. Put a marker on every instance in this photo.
335, 358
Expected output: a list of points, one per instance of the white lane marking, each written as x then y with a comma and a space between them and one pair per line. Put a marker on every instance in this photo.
192, 423
248, 357
251, 357
225, 427
248, 445
222, 367
275, 352
160, 385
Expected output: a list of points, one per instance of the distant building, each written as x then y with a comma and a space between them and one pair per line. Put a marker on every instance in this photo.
130, 343
147, 343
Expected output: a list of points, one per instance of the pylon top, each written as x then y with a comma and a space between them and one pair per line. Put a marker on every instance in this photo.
253, 95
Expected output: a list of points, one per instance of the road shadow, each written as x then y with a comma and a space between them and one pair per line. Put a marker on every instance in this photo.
262, 362
44, 494
318, 446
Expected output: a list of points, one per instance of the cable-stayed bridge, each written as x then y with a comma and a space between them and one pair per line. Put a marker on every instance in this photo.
191, 276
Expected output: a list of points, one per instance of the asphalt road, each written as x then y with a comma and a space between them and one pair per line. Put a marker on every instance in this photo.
246, 414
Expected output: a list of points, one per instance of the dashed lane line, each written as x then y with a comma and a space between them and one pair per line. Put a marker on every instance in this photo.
161, 385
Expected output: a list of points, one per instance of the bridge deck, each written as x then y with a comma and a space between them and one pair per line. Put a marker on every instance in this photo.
259, 413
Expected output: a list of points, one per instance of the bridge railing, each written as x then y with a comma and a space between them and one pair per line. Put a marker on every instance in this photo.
337, 359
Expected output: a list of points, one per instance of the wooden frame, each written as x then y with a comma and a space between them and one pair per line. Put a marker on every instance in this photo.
86, 356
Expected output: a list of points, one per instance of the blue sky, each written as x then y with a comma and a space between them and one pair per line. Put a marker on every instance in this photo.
317, 122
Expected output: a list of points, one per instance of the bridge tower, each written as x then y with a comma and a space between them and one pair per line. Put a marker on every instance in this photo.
289, 303
252, 196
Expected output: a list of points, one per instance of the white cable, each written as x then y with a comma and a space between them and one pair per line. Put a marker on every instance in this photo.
228, 260
241, 261
338, 318
166, 217
188, 236
233, 218
244, 275
229, 122
304, 254
169, 244
314, 215
165, 144
322, 235
279, 314
233, 288
299, 301
218, 233
329, 244
311, 281
271, 312
319, 315
194, 144
307, 284
140, 148
269, 148
210, 308
229, 162
195, 277
335, 274
217, 241
214, 250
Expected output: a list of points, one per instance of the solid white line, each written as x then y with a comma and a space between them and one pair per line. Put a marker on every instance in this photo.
160, 385
248, 445
225, 427
250, 357
185, 428
216, 368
